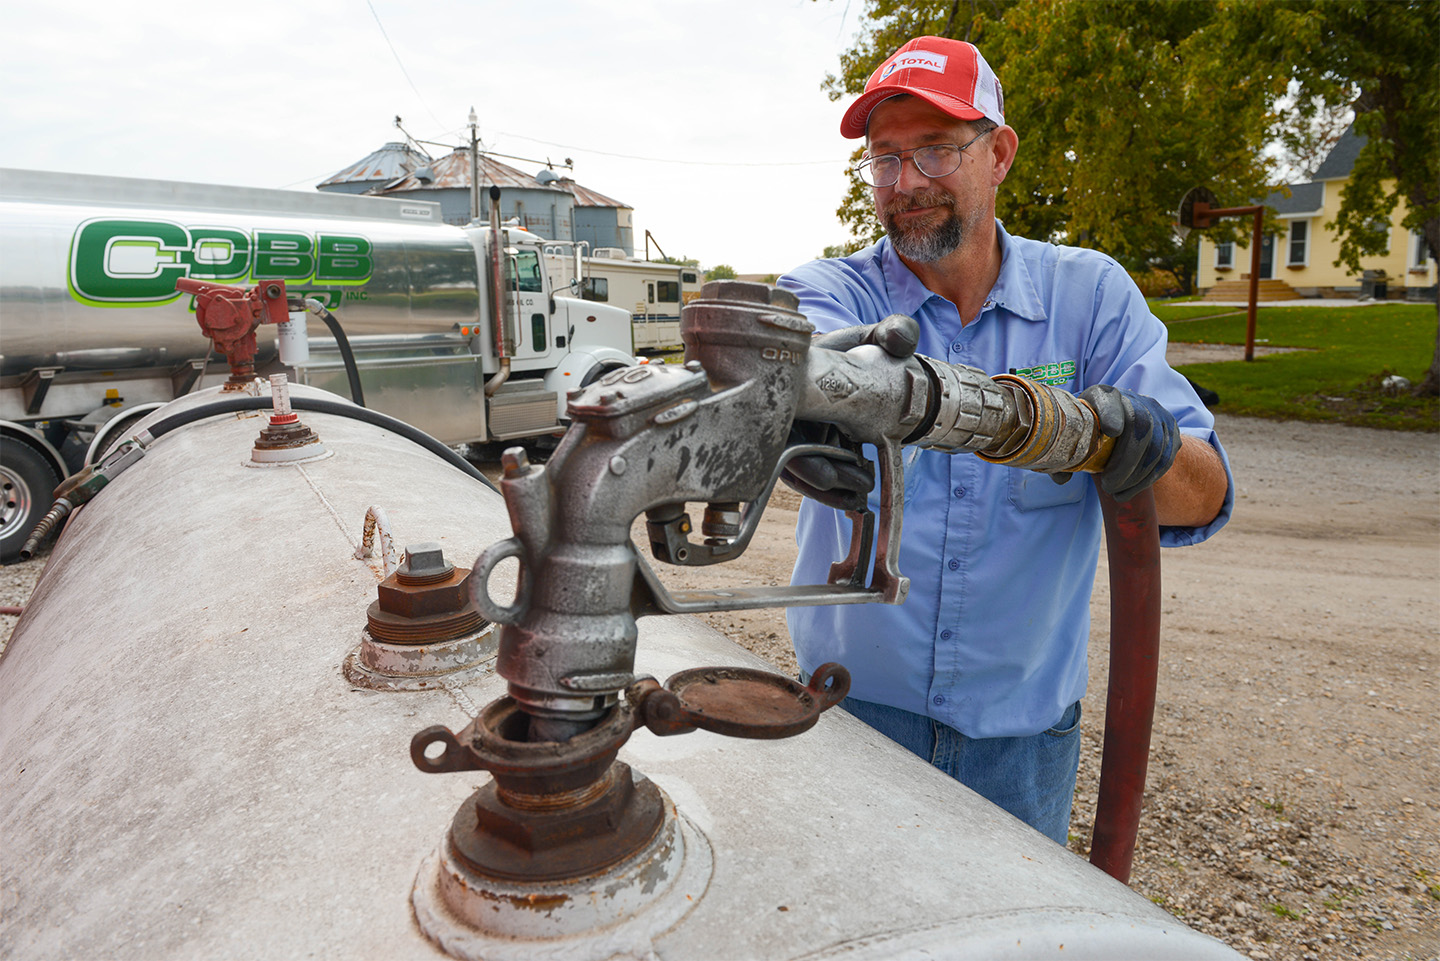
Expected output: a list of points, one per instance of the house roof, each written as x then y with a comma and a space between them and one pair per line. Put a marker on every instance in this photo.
389, 162
1306, 198
1341, 161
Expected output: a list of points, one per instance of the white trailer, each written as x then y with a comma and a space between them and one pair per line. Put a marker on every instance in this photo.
653, 292
94, 331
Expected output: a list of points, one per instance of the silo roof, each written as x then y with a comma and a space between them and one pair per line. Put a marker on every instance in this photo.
453, 170
585, 197
389, 162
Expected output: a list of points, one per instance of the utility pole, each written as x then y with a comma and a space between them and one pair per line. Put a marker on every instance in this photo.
474, 167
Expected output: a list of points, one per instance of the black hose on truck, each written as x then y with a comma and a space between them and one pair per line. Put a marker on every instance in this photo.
81, 487
352, 372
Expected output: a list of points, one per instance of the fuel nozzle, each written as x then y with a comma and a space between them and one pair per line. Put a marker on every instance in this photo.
78, 489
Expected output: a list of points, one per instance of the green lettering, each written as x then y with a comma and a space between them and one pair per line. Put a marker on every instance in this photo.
127, 261
344, 260
218, 253
283, 256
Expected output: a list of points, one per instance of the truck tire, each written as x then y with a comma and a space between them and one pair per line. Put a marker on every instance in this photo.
26, 483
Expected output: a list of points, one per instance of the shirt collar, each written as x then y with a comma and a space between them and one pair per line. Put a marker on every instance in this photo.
1014, 289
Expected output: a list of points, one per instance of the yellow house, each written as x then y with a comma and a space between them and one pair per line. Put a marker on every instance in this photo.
1298, 259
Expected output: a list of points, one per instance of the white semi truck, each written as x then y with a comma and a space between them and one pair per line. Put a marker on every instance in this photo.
93, 332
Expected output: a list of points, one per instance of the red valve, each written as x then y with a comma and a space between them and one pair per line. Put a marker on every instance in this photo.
230, 315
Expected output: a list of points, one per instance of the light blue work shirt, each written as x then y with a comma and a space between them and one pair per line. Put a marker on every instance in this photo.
992, 638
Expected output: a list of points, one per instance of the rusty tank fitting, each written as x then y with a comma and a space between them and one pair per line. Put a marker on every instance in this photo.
566, 826
422, 627
285, 440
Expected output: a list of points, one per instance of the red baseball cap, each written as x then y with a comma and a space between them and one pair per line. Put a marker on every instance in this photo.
948, 74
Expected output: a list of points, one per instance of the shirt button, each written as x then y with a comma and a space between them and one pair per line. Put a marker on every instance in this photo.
959, 492
958, 347
944, 635
954, 565
938, 699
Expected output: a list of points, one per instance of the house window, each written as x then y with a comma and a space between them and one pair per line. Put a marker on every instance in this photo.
1224, 256
1419, 253
1299, 243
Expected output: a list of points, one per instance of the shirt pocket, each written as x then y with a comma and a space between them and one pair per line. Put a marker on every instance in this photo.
1030, 491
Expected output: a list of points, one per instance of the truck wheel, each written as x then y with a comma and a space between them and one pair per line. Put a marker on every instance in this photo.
26, 483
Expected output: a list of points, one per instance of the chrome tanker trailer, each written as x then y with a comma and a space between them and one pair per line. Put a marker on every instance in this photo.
261, 704
463, 339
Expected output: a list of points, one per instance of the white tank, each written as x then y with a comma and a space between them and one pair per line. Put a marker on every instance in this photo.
189, 770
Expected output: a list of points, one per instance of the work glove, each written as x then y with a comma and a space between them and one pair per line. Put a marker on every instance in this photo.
1146, 439
834, 482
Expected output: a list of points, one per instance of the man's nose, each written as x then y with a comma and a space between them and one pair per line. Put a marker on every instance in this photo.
911, 178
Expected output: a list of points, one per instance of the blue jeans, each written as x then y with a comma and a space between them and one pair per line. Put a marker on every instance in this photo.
1031, 777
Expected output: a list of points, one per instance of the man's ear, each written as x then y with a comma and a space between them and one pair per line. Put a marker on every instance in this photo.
1004, 145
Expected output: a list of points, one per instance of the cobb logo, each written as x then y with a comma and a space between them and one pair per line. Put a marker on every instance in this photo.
916, 58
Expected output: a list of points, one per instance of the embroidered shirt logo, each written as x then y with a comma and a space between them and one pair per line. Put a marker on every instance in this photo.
1055, 374
916, 58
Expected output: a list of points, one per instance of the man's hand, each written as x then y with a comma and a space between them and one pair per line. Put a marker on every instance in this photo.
833, 482
1146, 439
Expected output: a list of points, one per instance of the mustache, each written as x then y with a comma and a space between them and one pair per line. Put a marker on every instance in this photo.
920, 200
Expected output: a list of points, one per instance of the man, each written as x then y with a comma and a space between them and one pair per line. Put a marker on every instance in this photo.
982, 668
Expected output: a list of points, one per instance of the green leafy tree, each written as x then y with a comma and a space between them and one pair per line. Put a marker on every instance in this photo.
1123, 105
679, 261
721, 272
1383, 61
1110, 100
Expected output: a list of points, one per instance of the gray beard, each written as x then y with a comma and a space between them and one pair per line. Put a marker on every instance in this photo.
927, 244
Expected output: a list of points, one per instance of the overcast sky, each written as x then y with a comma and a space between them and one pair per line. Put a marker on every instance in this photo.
284, 94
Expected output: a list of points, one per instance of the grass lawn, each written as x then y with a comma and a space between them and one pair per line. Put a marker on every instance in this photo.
1336, 377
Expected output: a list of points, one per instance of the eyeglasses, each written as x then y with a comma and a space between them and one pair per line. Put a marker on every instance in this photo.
934, 161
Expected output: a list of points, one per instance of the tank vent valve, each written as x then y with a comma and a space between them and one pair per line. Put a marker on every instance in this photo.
285, 439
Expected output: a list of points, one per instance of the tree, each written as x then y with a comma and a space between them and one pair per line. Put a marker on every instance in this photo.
721, 272
679, 261
1382, 60
1110, 100
1123, 105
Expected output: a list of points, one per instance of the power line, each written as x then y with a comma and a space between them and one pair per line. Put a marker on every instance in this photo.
663, 160
399, 63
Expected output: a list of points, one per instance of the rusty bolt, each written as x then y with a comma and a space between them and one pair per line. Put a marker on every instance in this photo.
424, 563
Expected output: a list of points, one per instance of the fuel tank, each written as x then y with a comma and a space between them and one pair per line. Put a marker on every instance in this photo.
88, 266
193, 766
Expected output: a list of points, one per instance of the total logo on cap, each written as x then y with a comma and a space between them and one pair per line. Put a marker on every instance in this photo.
923, 59
949, 74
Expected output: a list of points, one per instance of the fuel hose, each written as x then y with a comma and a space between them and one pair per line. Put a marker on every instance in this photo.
96, 476
352, 372
1132, 544
230, 405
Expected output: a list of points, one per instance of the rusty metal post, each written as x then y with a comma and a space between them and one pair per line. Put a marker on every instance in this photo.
1132, 544
1203, 216
1255, 241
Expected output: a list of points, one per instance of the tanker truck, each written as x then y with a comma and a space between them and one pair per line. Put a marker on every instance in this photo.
94, 334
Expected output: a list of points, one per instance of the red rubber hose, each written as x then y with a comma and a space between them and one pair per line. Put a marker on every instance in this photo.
1132, 542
